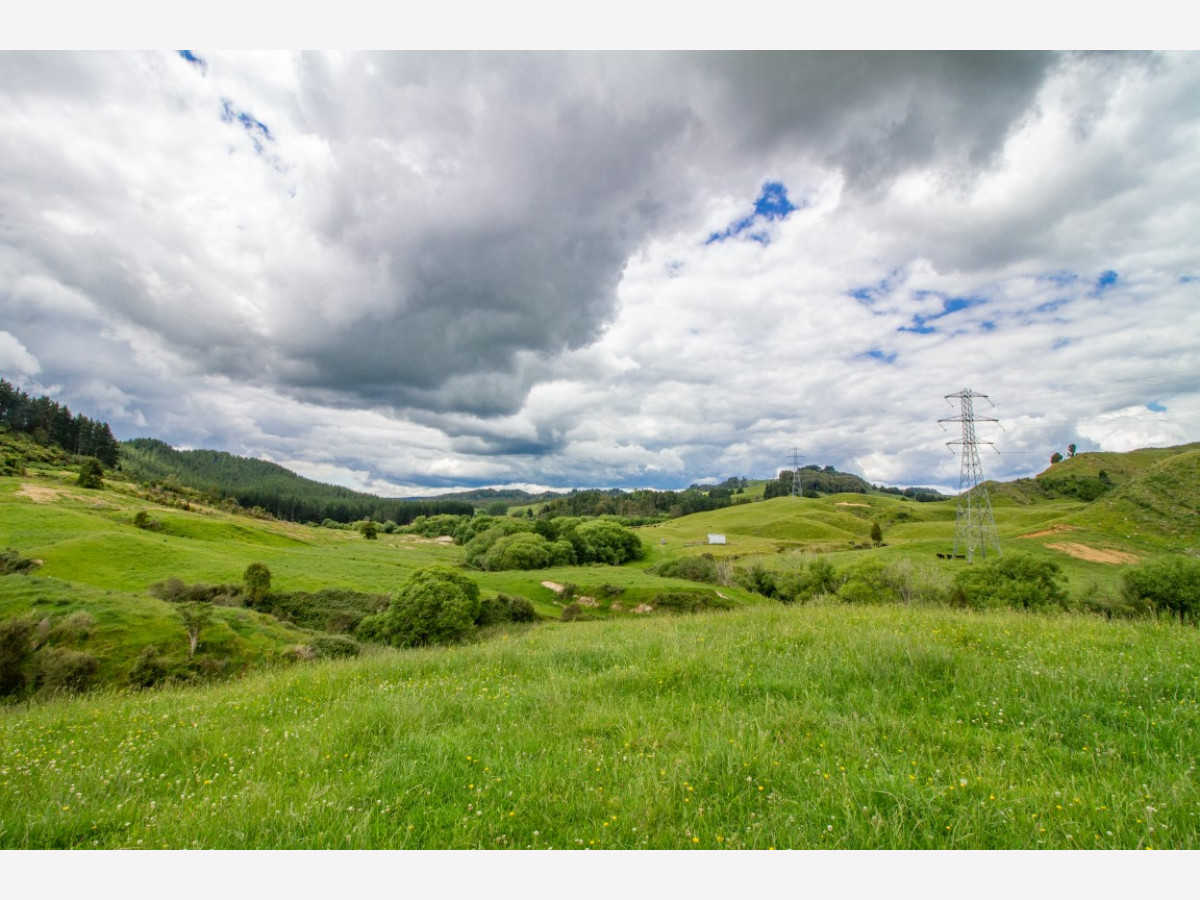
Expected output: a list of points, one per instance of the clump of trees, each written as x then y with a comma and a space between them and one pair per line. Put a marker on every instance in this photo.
51, 424
495, 544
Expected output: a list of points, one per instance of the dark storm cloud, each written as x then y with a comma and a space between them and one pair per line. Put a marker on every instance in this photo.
874, 115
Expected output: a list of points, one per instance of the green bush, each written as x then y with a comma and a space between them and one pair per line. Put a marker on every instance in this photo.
334, 646
149, 668
73, 628
1168, 584
808, 581
1019, 581
91, 474
65, 671
607, 542
517, 551
16, 651
688, 601
256, 581
437, 605
690, 568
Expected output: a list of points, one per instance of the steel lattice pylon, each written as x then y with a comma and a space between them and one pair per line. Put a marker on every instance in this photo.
974, 526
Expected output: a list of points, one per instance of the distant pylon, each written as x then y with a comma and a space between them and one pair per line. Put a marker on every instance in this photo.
974, 526
797, 487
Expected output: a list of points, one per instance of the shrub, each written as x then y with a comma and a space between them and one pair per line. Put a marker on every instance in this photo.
65, 671
16, 650
517, 551
520, 609
690, 568
75, 627
504, 608
173, 590
573, 612
1169, 584
334, 646
868, 584
256, 581
13, 563
142, 520
1019, 581
607, 542
688, 601
91, 474
149, 668
437, 605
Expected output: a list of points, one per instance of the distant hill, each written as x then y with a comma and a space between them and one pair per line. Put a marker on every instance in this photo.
270, 487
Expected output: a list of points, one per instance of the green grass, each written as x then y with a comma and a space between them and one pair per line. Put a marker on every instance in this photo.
805, 727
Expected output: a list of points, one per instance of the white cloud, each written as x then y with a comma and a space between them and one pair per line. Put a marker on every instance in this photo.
15, 358
449, 268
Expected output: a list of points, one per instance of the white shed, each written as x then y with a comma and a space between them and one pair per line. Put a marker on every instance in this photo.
716, 539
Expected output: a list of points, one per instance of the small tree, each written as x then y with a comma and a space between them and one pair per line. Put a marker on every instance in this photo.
196, 617
876, 534
1056, 458
257, 581
1070, 449
91, 474
369, 530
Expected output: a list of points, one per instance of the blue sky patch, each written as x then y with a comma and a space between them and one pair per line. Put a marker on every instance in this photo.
256, 129
1155, 406
772, 205
870, 293
1062, 342
879, 355
920, 323
197, 61
1106, 280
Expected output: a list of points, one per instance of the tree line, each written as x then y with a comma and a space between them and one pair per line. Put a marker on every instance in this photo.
258, 484
53, 424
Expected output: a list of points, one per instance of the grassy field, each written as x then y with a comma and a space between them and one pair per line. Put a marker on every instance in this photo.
763, 726
768, 727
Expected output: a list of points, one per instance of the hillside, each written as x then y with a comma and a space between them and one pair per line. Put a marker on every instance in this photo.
872, 716
269, 487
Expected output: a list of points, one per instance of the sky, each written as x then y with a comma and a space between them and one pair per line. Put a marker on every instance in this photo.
412, 272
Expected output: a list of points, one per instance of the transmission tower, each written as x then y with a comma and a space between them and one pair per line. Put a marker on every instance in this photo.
974, 526
797, 488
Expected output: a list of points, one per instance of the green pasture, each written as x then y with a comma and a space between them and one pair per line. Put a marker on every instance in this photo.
765, 727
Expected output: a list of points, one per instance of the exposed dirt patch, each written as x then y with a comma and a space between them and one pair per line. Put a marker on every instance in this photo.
39, 494
1053, 529
1095, 554
559, 588
843, 503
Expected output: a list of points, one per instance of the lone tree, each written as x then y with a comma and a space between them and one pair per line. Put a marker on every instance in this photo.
1056, 458
876, 534
257, 581
196, 617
